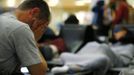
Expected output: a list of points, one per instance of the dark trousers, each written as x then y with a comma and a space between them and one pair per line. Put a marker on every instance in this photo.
17, 74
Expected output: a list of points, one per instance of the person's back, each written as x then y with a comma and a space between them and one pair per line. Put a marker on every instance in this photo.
17, 42
121, 12
8, 26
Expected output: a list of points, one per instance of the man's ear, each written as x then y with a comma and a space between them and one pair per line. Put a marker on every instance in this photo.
34, 12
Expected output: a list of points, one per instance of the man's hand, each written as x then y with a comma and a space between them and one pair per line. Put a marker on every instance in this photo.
37, 69
39, 28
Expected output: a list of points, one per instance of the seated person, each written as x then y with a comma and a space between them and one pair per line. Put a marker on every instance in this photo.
55, 43
48, 34
50, 44
72, 19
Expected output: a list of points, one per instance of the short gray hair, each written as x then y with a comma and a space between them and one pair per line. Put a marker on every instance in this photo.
42, 5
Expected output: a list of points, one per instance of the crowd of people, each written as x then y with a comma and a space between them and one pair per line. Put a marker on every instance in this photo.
107, 16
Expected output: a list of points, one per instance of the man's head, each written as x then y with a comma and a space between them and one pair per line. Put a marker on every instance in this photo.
119, 32
112, 4
35, 13
72, 19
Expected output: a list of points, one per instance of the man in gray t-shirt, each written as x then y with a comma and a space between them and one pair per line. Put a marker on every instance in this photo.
17, 43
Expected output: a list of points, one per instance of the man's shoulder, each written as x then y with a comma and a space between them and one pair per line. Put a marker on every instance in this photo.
11, 23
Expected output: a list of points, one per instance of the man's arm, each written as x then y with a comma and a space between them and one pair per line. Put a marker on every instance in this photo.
38, 69
41, 68
27, 50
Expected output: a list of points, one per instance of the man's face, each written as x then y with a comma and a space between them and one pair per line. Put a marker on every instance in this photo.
38, 27
120, 34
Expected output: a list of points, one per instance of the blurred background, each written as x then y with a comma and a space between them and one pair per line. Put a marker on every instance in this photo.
62, 8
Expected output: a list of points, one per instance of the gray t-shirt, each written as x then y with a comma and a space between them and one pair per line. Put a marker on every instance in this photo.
17, 44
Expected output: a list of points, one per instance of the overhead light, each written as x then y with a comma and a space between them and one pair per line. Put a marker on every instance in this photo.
82, 2
87, 1
11, 3
53, 3
79, 3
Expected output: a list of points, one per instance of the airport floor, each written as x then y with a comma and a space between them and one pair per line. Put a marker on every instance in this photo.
49, 73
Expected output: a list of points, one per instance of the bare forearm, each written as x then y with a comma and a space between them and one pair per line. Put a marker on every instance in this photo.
43, 59
44, 62
37, 69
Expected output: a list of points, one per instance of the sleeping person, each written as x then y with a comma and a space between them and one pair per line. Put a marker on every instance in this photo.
96, 57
